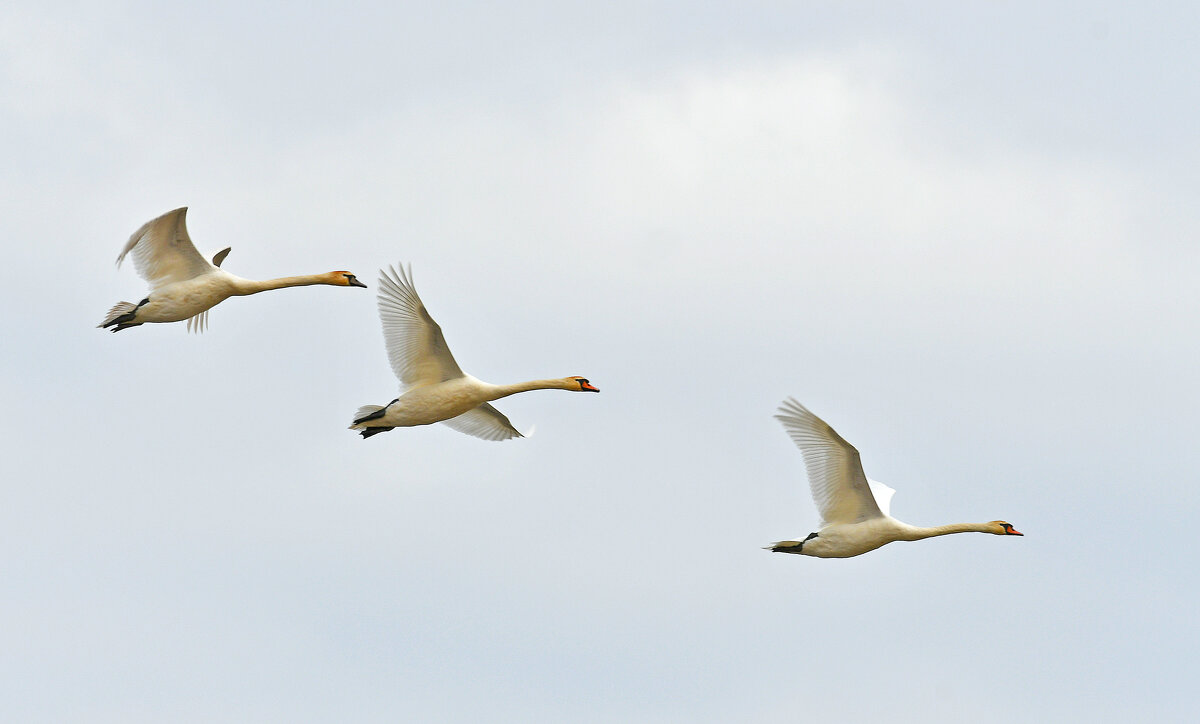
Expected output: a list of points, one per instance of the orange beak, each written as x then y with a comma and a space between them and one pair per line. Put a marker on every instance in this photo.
588, 386
1014, 531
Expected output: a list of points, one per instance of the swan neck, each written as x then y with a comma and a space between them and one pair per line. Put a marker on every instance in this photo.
918, 533
254, 286
506, 390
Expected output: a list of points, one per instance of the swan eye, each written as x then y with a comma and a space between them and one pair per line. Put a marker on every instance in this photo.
584, 384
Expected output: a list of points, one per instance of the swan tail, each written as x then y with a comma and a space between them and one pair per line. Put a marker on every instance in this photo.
365, 414
122, 314
786, 546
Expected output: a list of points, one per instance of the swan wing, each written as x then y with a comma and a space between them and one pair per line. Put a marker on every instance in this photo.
198, 323
415, 345
163, 252
835, 474
485, 422
883, 496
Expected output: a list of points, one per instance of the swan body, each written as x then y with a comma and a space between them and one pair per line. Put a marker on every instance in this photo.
855, 511
433, 387
185, 285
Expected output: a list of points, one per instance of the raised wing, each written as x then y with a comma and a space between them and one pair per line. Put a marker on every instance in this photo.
835, 474
415, 345
163, 253
883, 496
485, 422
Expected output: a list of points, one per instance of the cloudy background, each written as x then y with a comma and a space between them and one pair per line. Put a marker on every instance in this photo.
965, 236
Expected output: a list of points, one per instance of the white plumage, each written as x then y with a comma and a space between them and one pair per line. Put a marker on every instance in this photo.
855, 515
185, 285
433, 388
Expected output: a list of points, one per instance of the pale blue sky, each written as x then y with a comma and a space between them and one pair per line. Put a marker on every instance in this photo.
965, 236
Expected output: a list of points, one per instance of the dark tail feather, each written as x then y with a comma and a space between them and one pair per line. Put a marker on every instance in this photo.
369, 431
786, 546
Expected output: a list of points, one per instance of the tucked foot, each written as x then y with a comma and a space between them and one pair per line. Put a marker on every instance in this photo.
790, 546
786, 546
369, 431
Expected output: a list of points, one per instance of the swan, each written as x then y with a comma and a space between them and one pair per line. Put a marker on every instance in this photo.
433, 387
185, 285
854, 510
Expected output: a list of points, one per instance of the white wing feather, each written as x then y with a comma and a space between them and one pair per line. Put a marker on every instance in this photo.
198, 323
835, 474
883, 496
484, 422
415, 345
163, 253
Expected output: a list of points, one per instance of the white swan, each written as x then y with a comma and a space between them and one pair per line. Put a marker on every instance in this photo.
433, 387
854, 510
185, 285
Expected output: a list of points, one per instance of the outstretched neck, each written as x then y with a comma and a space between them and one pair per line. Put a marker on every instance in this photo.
254, 286
912, 532
506, 390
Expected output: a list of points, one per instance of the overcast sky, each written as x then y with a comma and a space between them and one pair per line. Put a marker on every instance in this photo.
965, 236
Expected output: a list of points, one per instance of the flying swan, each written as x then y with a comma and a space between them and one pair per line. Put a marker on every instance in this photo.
433, 387
185, 285
854, 510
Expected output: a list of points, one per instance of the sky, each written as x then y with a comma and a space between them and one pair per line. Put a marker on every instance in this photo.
963, 234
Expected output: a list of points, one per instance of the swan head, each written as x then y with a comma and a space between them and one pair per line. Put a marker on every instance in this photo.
580, 384
1004, 528
344, 279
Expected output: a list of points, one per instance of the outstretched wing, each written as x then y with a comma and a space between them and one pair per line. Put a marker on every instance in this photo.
163, 253
883, 495
485, 422
835, 474
415, 345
